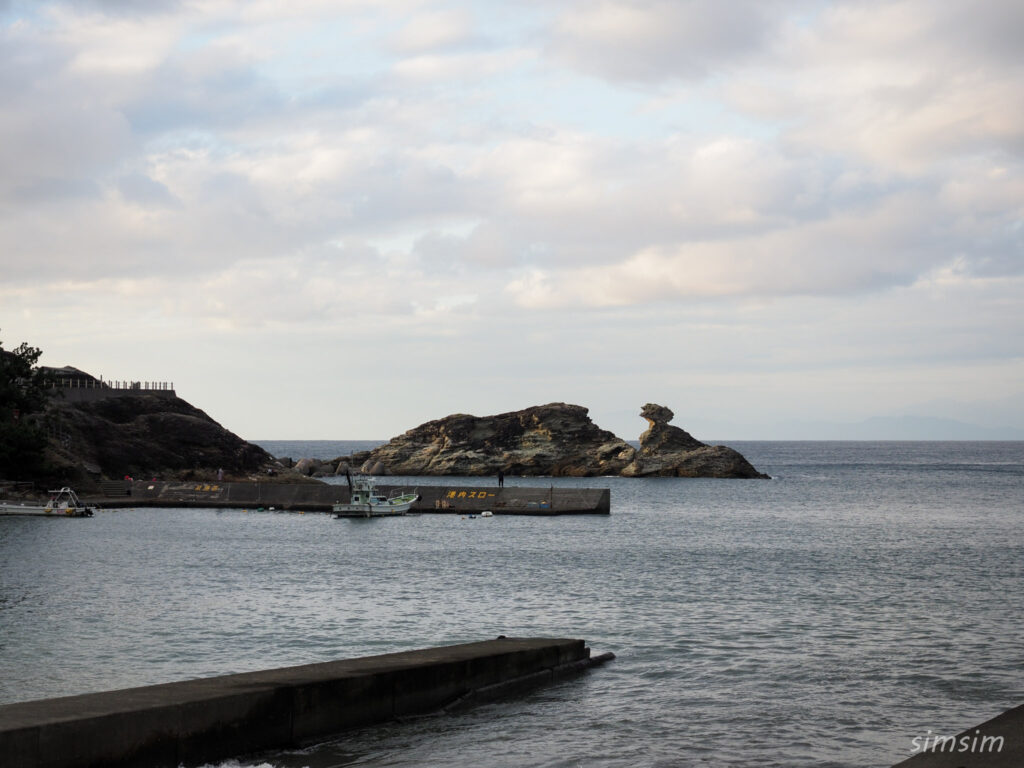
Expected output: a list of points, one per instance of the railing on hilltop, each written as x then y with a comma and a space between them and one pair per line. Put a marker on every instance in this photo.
80, 389
68, 382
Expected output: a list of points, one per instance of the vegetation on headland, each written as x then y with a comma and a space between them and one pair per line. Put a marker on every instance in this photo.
23, 395
65, 427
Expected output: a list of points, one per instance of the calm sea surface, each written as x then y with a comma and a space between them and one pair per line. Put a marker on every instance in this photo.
871, 592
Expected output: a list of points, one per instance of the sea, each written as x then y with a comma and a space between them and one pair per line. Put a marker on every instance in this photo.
869, 594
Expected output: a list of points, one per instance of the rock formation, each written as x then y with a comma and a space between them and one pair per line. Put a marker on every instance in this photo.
667, 451
143, 435
556, 439
553, 439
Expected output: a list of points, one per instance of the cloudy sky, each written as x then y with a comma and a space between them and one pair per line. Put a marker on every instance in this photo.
331, 219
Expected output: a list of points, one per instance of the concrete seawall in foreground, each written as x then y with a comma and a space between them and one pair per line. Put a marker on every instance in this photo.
198, 721
996, 743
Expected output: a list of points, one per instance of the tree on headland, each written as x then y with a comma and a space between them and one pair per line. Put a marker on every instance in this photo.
23, 392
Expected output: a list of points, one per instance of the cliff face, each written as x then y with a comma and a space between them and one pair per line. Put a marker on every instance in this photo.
144, 435
556, 439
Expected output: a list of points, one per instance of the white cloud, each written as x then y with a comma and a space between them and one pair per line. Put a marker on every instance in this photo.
450, 68
904, 84
742, 179
434, 30
124, 45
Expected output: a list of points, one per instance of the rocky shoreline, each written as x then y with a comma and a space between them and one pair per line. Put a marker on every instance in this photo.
126, 434
557, 439
116, 434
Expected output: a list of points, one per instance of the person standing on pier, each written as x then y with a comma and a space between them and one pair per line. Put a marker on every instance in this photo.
501, 478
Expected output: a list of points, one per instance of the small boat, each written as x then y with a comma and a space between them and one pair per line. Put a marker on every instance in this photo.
63, 503
367, 501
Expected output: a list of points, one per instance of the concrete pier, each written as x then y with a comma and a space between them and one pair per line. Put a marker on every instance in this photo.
996, 743
197, 721
319, 497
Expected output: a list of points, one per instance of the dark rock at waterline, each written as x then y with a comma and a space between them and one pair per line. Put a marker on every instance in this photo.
668, 451
144, 435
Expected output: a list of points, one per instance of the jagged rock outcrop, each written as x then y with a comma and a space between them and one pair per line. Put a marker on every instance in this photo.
661, 437
553, 439
668, 451
143, 435
557, 439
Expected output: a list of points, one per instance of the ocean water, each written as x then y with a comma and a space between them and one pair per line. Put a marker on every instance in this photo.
315, 449
868, 594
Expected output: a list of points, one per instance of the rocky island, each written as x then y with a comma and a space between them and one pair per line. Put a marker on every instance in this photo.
557, 439
84, 430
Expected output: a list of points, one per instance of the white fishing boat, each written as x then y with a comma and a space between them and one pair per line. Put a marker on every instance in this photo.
367, 501
63, 503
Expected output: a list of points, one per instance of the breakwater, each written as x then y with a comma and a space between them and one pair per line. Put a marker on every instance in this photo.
996, 743
319, 497
197, 721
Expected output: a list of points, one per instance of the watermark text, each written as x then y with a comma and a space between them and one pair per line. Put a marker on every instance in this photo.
966, 742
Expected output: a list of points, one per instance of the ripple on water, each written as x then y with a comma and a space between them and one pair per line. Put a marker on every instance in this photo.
822, 619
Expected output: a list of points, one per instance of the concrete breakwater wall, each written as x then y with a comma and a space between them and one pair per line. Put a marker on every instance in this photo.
318, 497
197, 721
996, 743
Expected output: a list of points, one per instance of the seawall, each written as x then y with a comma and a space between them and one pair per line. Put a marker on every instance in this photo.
996, 743
197, 721
319, 497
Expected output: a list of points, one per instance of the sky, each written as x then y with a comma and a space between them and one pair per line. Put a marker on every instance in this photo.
338, 219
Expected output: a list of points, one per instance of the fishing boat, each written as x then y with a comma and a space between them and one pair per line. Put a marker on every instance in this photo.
366, 501
63, 503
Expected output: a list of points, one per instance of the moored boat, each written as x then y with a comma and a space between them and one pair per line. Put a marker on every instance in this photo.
367, 501
63, 503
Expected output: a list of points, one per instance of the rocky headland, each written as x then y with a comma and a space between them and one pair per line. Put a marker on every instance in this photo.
557, 439
114, 433
96, 433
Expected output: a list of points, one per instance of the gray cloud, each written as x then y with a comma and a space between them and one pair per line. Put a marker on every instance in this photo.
145, 191
123, 7
657, 40
194, 159
987, 33
218, 91
51, 126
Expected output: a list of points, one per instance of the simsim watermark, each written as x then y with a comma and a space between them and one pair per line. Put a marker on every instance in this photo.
966, 742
